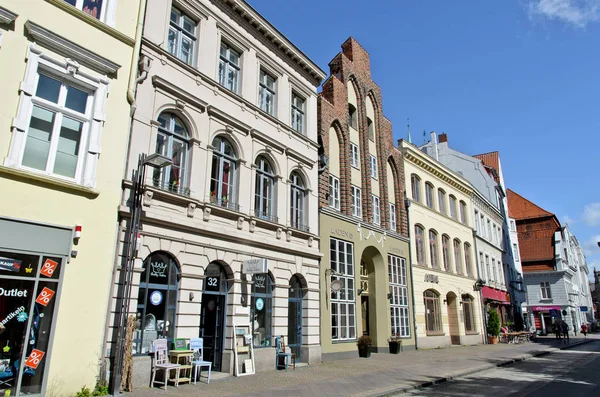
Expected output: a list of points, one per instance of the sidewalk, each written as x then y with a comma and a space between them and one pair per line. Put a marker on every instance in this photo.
380, 375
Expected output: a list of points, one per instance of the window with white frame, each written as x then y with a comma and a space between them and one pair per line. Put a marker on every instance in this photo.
452, 203
95, 8
513, 227
468, 265
419, 244
457, 257
468, 313
488, 269
298, 113
223, 178
172, 141
429, 195
376, 210
392, 216
463, 212
489, 229
373, 166
477, 221
229, 67
433, 248
415, 184
334, 192
354, 155
182, 36
433, 314
495, 235
59, 119
264, 190
546, 293
482, 218
495, 270
298, 210
341, 259
371, 128
399, 301
442, 201
516, 252
356, 201
266, 92
446, 252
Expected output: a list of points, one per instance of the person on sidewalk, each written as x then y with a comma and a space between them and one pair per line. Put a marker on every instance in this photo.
565, 330
584, 330
556, 329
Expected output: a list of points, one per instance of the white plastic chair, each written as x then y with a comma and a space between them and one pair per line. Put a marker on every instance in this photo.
161, 362
197, 345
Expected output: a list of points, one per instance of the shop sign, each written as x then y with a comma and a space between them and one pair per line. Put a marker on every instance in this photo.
156, 298
12, 265
398, 251
158, 269
260, 281
13, 315
554, 313
544, 308
260, 304
432, 278
45, 296
254, 266
583, 308
19, 293
34, 358
342, 233
49, 267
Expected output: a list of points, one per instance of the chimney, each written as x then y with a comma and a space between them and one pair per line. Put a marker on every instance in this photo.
443, 137
434, 145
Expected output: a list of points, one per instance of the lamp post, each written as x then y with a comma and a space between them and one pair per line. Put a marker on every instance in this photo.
157, 161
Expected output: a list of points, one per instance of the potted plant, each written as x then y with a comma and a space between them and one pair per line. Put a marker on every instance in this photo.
395, 343
493, 326
364, 346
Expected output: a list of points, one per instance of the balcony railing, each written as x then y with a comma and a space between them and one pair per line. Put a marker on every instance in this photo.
300, 226
173, 187
266, 216
225, 203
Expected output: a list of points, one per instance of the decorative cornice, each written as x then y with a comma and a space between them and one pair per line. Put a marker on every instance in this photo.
228, 119
69, 49
300, 157
437, 172
178, 92
7, 17
259, 136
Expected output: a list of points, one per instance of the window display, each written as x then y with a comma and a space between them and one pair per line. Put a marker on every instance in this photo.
261, 310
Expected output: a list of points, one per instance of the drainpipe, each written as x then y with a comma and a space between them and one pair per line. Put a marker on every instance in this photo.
484, 312
412, 289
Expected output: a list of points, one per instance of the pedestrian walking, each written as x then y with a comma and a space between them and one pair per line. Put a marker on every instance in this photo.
556, 329
584, 329
565, 330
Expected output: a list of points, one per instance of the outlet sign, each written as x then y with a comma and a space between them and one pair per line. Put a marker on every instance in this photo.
254, 266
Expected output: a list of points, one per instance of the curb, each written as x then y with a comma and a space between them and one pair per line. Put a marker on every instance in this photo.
504, 363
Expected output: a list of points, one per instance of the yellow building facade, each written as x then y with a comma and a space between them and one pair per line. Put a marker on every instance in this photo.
447, 300
64, 122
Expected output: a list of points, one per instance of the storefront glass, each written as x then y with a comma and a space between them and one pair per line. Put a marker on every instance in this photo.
28, 291
261, 310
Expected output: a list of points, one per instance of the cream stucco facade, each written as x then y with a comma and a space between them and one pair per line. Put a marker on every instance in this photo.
447, 305
64, 119
236, 111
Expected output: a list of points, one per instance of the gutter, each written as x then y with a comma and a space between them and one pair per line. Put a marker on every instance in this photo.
133, 79
412, 288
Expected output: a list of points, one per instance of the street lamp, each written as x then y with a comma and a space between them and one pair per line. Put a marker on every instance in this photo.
157, 161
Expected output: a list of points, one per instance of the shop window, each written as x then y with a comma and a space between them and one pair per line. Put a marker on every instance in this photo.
341, 257
157, 301
223, 174
172, 141
399, 301
433, 315
261, 311
469, 313
29, 285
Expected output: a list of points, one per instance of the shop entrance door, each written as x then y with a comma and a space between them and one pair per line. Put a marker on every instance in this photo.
364, 300
453, 318
295, 318
29, 286
212, 314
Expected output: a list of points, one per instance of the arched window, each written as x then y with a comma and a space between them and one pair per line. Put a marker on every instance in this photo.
433, 248
457, 257
157, 301
442, 201
261, 310
446, 252
264, 196
429, 195
298, 218
223, 174
433, 316
452, 203
172, 141
463, 212
468, 268
419, 235
415, 183
469, 313
352, 118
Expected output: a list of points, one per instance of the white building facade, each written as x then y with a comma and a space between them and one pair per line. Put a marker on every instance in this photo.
233, 103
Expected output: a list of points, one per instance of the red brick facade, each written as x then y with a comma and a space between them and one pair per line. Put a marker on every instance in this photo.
353, 64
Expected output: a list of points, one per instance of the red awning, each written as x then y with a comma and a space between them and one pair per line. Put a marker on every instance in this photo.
495, 295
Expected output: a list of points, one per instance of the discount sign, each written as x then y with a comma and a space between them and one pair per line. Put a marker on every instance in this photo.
34, 358
49, 267
45, 296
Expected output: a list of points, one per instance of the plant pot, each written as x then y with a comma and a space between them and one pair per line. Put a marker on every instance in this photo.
364, 351
394, 347
492, 339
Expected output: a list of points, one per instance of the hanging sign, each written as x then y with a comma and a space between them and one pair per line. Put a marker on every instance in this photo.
554, 313
45, 296
336, 285
49, 267
156, 298
254, 266
34, 358
12, 265
260, 304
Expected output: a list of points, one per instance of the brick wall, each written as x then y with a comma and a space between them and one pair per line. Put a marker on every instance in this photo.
353, 64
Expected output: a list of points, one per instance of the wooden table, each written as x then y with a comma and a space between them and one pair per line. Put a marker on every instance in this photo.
184, 359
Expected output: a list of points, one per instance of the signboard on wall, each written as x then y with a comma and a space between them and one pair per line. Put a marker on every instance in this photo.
583, 308
254, 266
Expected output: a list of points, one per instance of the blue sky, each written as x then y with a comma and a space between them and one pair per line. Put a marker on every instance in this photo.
518, 76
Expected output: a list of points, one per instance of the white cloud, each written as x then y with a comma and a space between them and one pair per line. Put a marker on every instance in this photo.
590, 247
572, 12
591, 214
569, 220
